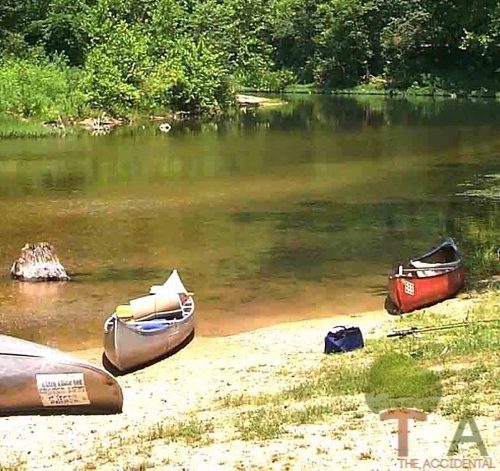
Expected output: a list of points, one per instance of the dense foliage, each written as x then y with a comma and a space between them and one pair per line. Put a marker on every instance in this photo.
117, 55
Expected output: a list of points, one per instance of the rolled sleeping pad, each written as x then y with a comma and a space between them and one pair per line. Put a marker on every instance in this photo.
146, 305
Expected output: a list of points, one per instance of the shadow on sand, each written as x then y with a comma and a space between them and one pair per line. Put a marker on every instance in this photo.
80, 410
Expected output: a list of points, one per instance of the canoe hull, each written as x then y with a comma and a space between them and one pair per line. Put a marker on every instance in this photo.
408, 294
128, 349
39, 380
425, 280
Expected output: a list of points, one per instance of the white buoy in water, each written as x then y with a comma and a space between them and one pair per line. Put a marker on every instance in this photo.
165, 127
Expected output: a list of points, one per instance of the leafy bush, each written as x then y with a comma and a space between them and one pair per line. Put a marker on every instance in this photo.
204, 85
266, 80
35, 86
116, 67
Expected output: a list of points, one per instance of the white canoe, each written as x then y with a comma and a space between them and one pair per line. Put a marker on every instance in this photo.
131, 344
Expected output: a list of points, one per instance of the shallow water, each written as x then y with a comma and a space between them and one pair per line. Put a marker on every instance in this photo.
269, 215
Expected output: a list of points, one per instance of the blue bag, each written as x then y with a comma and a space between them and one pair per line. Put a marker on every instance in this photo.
343, 339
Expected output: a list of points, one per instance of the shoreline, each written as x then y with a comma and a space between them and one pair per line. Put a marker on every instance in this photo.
214, 317
366, 320
19, 127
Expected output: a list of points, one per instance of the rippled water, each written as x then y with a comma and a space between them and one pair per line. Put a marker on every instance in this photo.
269, 216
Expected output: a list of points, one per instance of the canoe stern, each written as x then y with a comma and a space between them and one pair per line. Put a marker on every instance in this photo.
54, 383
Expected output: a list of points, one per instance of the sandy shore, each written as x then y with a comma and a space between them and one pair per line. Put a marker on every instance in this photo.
194, 383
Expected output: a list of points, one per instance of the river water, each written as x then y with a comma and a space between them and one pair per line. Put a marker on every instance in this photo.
281, 214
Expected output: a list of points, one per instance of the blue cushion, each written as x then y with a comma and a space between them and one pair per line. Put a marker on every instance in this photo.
146, 327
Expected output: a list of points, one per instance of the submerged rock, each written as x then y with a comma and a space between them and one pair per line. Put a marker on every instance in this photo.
38, 262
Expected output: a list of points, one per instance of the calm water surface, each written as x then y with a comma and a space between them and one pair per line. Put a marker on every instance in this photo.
269, 216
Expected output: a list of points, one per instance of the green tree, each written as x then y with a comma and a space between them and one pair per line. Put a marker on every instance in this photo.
342, 44
65, 29
116, 66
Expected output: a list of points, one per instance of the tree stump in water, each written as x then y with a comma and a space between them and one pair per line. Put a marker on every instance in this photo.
38, 262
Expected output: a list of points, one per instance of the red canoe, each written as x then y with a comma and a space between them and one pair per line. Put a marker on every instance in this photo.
426, 280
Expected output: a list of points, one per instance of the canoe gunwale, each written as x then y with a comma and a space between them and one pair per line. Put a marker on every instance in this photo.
153, 333
407, 273
439, 269
447, 243
64, 362
187, 310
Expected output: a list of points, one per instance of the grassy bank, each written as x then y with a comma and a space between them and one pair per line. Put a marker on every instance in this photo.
465, 361
40, 88
378, 87
11, 127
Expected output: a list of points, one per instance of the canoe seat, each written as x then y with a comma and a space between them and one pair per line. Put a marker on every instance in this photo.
427, 269
166, 316
419, 264
159, 316
149, 326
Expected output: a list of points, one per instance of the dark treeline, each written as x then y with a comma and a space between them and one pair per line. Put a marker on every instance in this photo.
66, 57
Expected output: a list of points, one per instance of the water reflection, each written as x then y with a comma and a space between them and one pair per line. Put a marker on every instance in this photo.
270, 215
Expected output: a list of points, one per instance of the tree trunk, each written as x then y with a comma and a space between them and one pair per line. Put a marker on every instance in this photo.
38, 262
